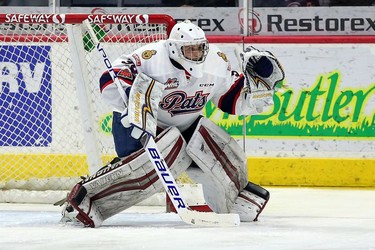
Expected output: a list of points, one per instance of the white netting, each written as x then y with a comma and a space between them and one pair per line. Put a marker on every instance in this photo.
42, 143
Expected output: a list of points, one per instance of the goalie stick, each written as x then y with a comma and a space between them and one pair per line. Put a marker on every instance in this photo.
186, 214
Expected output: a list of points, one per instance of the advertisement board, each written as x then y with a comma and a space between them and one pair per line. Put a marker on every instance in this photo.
26, 92
284, 21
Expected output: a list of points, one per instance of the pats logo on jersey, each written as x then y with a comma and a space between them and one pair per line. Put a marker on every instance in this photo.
171, 83
179, 102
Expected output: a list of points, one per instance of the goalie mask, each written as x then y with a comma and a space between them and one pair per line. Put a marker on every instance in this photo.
188, 46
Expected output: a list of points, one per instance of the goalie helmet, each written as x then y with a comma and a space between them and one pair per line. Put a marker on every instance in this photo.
188, 46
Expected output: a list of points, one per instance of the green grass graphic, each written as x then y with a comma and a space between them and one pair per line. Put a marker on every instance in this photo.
288, 129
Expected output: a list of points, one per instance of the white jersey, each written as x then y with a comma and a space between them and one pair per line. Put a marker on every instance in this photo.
184, 96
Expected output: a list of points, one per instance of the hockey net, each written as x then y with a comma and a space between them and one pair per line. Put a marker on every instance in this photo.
53, 126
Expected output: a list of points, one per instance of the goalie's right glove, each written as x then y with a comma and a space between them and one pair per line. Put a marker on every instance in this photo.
136, 132
262, 73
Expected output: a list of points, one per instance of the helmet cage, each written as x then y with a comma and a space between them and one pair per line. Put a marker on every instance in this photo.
179, 45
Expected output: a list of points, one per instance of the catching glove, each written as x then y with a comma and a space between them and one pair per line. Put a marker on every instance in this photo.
262, 73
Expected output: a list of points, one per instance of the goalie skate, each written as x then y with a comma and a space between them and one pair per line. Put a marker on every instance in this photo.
69, 215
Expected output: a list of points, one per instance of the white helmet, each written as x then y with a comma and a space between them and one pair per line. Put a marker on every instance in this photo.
188, 34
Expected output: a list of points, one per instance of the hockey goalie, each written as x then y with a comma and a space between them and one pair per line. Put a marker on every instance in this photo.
185, 72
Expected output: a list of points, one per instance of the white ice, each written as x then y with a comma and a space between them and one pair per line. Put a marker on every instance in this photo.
295, 218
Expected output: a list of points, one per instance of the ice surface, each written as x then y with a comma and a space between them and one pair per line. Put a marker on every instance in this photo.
295, 218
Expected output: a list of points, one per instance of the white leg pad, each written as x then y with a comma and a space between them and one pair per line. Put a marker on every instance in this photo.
127, 182
222, 162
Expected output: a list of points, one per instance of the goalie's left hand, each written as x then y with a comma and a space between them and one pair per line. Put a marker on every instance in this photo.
262, 73
261, 68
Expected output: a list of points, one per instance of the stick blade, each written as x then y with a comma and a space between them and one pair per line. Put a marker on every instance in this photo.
209, 219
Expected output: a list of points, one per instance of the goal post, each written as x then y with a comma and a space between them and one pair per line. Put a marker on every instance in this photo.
53, 126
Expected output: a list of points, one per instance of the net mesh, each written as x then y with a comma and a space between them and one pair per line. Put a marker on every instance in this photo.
42, 145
